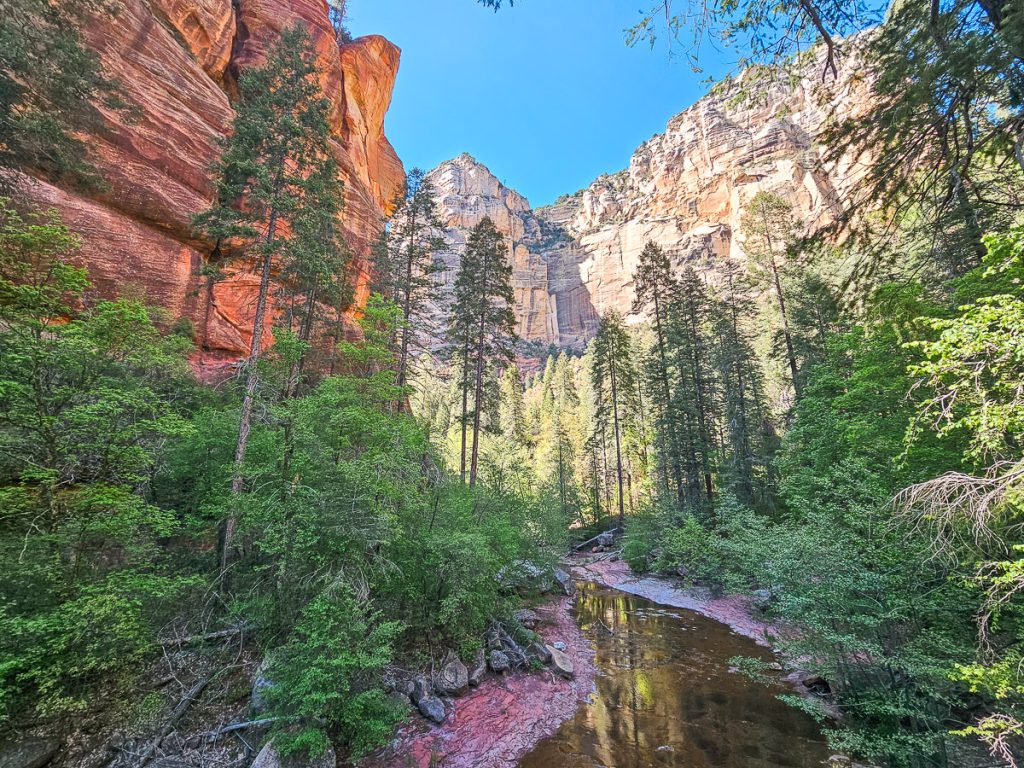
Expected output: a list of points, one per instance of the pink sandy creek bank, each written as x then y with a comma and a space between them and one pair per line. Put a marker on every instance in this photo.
735, 611
494, 725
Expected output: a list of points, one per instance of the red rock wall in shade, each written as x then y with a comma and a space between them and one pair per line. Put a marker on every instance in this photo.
178, 61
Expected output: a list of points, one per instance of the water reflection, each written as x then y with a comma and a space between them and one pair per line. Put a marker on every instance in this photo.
666, 697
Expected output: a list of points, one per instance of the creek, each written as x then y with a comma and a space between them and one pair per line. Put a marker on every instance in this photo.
666, 695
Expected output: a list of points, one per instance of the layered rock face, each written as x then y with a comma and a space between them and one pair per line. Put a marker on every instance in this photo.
178, 63
466, 193
685, 190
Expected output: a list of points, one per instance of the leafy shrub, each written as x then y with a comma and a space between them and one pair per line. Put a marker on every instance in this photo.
691, 547
325, 677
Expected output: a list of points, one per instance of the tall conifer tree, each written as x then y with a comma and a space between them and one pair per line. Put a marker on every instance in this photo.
613, 378
482, 325
276, 170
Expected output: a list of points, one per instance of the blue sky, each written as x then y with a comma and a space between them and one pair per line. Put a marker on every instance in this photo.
545, 93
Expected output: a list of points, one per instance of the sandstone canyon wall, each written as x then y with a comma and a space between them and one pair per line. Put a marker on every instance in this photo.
178, 62
685, 189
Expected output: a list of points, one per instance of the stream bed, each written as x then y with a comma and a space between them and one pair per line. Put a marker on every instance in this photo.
665, 696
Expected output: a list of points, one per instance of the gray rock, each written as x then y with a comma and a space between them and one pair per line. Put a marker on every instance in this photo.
522, 574
453, 677
559, 645
28, 753
565, 582
260, 685
541, 652
421, 689
479, 668
498, 661
526, 618
268, 758
762, 598
561, 662
397, 680
431, 708
605, 539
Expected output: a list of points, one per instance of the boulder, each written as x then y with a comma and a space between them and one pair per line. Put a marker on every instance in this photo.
453, 677
499, 662
421, 689
565, 582
816, 684
28, 753
762, 599
605, 539
398, 681
260, 685
524, 575
268, 758
526, 618
431, 708
561, 662
479, 668
541, 652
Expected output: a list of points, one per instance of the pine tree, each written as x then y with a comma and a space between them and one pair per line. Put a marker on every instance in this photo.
404, 266
694, 401
656, 290
275, 170
482, 325
746, 436
613, 378
512, 416
770, 235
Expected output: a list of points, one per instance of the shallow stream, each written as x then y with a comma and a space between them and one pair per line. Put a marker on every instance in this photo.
666, 696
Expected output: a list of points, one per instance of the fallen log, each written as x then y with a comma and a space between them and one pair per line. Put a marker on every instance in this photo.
211, 736
595, 538
189, 639
176, 714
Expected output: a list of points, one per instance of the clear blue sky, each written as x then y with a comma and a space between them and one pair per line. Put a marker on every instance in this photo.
545, 93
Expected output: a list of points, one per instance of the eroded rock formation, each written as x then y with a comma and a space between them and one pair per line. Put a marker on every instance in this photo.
178, 63
685, 189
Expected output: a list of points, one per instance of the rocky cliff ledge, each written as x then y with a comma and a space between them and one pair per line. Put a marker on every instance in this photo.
178, 62
685, 189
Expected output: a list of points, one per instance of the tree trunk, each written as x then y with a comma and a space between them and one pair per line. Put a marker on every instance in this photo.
790, 353
478, 397
248, 400
744, 443
698, 389
618, 446
465, 407
673, 439
403, 356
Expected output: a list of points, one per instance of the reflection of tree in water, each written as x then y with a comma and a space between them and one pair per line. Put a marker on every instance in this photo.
666, 697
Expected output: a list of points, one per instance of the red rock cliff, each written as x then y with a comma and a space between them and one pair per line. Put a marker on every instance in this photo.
178, 61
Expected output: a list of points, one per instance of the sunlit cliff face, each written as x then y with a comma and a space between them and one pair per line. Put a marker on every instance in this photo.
685, 189
178, 63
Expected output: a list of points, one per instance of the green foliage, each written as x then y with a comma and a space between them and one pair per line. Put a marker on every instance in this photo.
88, 399
688, 546
326, 673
